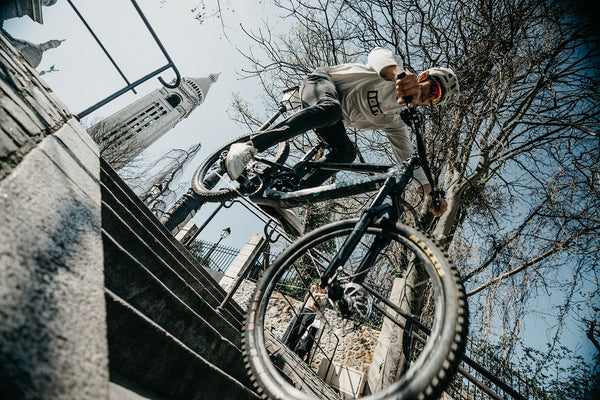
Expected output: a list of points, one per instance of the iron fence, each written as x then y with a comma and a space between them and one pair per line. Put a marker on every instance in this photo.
213, 255
498, 380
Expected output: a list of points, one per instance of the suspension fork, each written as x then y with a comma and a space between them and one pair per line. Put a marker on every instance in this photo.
372, 213
380, 242
377, 210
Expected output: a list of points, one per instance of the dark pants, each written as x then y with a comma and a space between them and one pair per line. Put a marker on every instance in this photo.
297, 327
322, 111
306, 343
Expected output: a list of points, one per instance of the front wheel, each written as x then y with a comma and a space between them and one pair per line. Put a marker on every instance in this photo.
211, 182
398, 332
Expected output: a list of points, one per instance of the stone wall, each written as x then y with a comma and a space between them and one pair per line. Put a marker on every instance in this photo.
29, 111
52, 311
360, 342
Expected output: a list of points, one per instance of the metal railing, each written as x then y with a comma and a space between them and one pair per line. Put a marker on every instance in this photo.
130, 85
497, 381
213, 255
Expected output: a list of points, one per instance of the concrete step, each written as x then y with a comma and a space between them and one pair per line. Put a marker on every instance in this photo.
166, 337
195, 324
136, 216
133, 267
143, 352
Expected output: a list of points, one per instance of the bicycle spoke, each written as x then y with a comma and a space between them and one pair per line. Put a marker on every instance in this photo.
384, 325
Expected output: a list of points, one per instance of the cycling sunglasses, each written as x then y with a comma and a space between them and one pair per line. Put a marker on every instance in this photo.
436, 91
436, 88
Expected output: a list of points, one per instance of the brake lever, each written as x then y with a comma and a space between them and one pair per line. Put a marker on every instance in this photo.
406, 99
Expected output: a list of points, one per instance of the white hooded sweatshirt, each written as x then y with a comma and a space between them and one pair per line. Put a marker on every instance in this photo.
370, 102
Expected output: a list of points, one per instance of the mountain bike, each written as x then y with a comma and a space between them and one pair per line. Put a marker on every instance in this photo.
395, 319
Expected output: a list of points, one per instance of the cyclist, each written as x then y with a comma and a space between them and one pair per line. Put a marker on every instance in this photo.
300, 324
360, 96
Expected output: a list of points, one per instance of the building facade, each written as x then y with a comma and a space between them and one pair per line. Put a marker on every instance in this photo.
125, 134
20, 8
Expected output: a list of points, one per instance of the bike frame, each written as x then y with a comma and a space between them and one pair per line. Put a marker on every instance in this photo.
285, 199
337, 190
389, 180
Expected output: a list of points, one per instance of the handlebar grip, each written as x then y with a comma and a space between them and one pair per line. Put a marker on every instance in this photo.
406, 99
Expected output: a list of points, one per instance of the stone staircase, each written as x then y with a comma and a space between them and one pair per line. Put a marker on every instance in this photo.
168, 335
98, 300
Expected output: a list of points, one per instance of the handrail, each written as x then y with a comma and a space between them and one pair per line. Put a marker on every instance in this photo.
162, 48
99, 43
130, 86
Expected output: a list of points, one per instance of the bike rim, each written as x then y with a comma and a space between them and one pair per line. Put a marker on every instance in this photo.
276, 290
211, 181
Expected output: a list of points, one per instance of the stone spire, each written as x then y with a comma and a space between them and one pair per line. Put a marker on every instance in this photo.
129, 131
197, 88
33, 52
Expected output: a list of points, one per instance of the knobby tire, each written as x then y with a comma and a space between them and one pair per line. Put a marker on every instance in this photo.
423, 281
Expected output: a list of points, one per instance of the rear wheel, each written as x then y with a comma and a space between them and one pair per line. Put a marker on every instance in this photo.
211, 181
399, 334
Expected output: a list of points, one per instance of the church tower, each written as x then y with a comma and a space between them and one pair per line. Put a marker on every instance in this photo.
126, 133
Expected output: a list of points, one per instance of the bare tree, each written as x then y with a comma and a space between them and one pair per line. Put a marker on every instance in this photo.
117, 155
518, 154
159, 183
156, 182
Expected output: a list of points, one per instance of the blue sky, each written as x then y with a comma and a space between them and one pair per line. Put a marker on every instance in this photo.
198, 48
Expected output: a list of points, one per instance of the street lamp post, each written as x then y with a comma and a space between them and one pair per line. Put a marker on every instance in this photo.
224, 233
